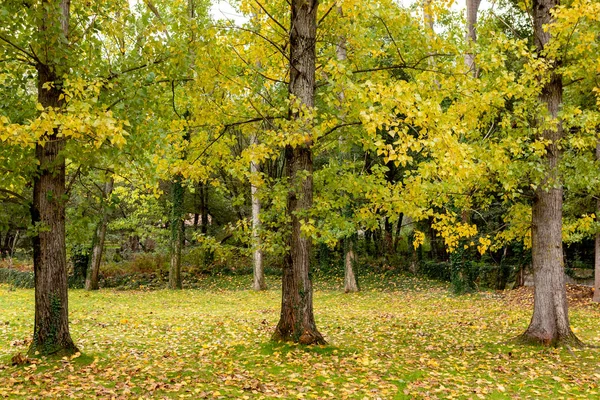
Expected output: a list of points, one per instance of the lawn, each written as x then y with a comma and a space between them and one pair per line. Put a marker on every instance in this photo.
399, 338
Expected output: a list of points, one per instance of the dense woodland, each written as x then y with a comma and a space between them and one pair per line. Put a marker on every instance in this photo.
308, 139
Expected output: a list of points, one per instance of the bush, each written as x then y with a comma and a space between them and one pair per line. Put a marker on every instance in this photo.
15, 278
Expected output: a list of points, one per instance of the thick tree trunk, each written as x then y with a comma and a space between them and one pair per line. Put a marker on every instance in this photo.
350, 285
91, 280
550, 321
597, 245
51, 330
257, 254
471, 34
297, 321
177, 233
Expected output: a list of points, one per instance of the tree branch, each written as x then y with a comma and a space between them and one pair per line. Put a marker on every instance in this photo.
326, 14
226, 128
14, 194
22, 50
335, 128
271, 17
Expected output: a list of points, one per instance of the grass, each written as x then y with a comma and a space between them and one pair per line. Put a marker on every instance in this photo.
399, 338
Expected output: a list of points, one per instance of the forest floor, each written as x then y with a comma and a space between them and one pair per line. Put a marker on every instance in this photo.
400, 337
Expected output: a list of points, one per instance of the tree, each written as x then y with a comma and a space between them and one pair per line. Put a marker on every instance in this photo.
257, 253
93, 272
297, 321
550, 321
471, 34
51, 330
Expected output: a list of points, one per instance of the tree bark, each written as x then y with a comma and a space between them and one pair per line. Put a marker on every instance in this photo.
596, 297
550, 321
177, 233
91, 280
257, 254
51, 329
350, 285
297, 321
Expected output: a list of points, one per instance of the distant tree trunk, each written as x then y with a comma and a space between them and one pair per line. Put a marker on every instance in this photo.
177, 232
597, 245
297, 321
550, 321
203, 191
93, 272
51, 330
471, 34
350, 284
398, 232
257, 254
388, 232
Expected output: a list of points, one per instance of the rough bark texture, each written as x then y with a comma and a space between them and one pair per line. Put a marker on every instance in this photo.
257, 254
91, 280
550, 321
177, 233
350, 285
297, 321
51, 330
597, 246
471, 35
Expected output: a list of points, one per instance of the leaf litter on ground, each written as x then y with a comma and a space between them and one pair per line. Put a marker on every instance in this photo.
401, 337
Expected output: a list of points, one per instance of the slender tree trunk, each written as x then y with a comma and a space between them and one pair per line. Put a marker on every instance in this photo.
550, 321
471, 34
398, 231
91, 280
203, 191
51, 331
297, 321
177, 233
350, 284
388, 240
597, 245
257, 254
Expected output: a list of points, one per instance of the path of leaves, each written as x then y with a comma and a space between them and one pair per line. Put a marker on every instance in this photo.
416, 341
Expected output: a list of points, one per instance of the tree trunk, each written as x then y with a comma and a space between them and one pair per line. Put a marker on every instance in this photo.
471, 34
203, 192
259, 274
388, 241
51, 330
177, 233
550, 321
597, 245
398, 232
91, 281
350, 284
297, 321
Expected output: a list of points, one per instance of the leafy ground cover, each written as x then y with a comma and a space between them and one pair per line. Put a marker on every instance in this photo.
400, 337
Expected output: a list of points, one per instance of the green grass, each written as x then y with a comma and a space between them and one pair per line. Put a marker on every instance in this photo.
399, 338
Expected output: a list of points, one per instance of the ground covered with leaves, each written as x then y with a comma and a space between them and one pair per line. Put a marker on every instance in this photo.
399, 338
